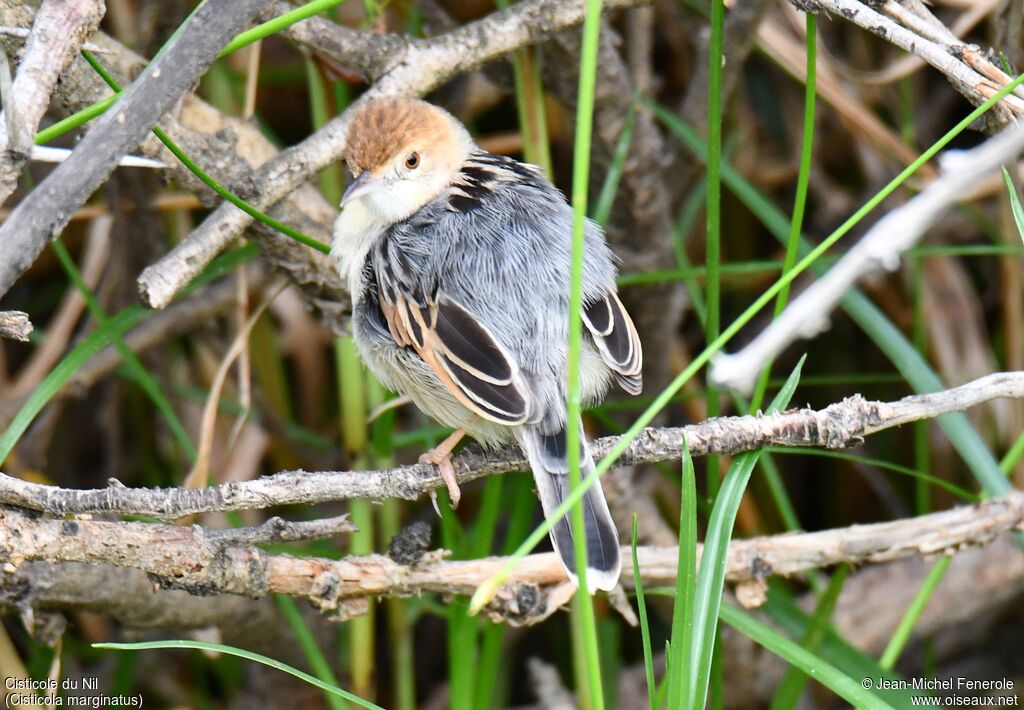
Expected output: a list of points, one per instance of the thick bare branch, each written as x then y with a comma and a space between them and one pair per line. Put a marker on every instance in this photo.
409, 67
808, 314
215, 562
59, 30
45, 211
837, 426
175, 554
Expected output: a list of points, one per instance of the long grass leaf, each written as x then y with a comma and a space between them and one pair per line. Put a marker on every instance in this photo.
792, 685
310, 648
584, 623
645, 628
680, 689
904, 629
711, 577
828, 675
241, 653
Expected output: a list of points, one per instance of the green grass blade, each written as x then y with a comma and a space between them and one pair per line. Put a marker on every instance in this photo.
245, 38
792, 685
711, 577
606, 199
906, 626
1015, 207
687, 272
493, 674
310, 649
794, 621
713, 220
589, 687
962, 493
800, 200
1013, 455
828, 675
76, 119
241, 653
645, 628
680, 654
274, 26
915, 369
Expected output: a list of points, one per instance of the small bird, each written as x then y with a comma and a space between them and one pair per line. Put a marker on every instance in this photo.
458, 263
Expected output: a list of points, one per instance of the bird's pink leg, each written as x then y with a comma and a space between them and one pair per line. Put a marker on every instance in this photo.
441, 456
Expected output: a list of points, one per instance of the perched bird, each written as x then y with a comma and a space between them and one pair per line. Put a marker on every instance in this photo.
458, 264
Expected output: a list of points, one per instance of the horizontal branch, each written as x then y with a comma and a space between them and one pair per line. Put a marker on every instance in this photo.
194, 558
219, 562
837, 426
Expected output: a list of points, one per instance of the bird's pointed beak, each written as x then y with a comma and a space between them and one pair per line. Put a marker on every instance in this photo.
362, 185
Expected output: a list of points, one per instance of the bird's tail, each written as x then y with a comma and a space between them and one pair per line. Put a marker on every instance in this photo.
547, 455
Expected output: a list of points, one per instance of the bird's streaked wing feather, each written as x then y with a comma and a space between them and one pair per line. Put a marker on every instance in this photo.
463, 354
616, 339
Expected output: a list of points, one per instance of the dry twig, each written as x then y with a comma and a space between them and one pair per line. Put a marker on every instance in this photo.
59, 30
973, 76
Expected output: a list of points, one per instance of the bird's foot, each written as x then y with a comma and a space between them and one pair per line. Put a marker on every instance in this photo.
442, 458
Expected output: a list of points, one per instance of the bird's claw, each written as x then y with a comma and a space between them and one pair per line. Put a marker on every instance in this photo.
446, 469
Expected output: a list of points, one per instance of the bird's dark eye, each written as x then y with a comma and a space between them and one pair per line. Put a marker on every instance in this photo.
412, 161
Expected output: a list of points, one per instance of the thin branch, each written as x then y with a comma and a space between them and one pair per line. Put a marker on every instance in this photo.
46, 154
24, 32
880, 249
15, 325
45, 211
214, 562
837, 426
58, 32
409, 67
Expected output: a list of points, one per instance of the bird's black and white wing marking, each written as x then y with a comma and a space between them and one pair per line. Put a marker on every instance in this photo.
616, 339
461, 351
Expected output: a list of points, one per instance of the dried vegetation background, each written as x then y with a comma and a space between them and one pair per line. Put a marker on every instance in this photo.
237, 367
